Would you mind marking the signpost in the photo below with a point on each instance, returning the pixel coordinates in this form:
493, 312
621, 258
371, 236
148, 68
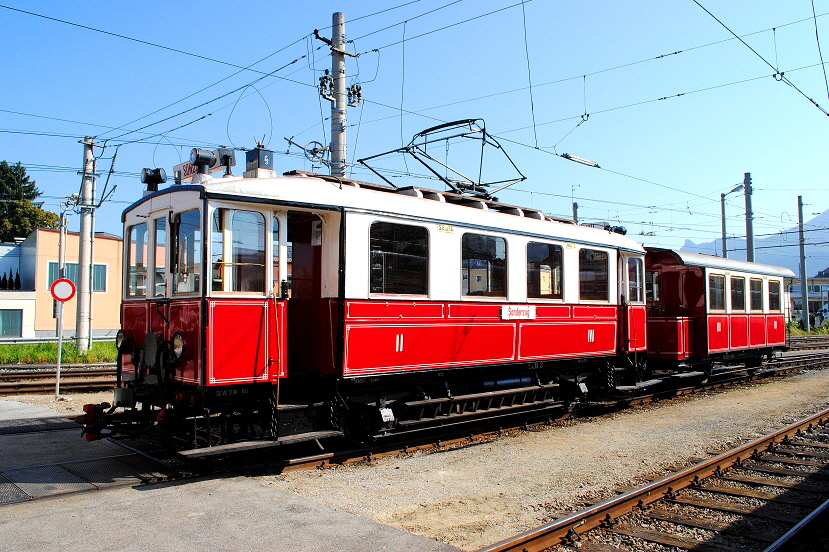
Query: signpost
62, 290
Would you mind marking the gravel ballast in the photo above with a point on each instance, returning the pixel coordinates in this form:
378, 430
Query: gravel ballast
478, 495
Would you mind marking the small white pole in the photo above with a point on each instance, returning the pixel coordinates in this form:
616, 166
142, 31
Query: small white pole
60, 348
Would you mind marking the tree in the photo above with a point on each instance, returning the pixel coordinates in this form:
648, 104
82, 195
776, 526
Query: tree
20, 215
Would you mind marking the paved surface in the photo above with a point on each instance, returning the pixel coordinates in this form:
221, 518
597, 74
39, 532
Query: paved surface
221, 514
227, 513
11, 410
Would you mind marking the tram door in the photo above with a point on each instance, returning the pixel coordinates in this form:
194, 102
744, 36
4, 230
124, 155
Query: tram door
309, 314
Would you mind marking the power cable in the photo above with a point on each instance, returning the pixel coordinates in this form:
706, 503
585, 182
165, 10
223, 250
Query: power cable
817, 39
597, 72
529, 72
448, 26
211, 85
153, 44
777, 74
407, 20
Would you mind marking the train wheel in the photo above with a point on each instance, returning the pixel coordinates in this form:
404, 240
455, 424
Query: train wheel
356, 424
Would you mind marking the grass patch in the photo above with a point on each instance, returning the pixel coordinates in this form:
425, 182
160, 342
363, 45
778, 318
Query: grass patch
793, 328
47, 353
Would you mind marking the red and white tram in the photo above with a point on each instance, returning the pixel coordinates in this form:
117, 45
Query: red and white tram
704, 309
274, 308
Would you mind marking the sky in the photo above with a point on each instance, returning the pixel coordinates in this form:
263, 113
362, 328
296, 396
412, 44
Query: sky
672, 107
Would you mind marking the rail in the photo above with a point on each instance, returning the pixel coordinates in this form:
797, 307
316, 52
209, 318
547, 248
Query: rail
605, 514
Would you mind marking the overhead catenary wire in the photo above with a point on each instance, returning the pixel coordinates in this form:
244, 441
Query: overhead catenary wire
529, 71
778, 75
817, 39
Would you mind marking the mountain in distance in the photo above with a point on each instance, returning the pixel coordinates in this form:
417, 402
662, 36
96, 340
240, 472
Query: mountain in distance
781, 249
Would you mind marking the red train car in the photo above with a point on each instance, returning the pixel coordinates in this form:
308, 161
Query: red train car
704, 309
276, 308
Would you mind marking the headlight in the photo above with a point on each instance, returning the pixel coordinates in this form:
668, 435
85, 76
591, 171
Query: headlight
178, 345
119, 339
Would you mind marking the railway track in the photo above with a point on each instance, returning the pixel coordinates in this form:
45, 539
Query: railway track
794, 343
772, 492
41, 379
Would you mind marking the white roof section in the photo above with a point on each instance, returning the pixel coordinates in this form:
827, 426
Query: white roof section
411, 203
712, 261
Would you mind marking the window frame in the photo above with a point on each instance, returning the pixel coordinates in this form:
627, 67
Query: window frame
175, 253
710, 293
640, 277
129, 272
606, 298
489, 295
229, 271
556, 297
425, 273
779, 298
165, 254
731, 293
759, 294
653, 289
53, 273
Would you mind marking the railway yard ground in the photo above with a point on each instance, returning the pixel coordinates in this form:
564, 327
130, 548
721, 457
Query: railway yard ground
465, 498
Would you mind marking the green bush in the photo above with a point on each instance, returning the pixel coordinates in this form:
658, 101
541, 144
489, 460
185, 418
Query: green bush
47, 353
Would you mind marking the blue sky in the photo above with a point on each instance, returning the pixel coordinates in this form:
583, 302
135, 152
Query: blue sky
663, 162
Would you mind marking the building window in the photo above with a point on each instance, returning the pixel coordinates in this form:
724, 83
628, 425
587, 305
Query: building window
635, 280
593, 275
137, 261
774, 296
716, 292
738, 294
399, 259
485, 257
99, 275
756, 292
160, 248
543, 271
11, 323
187, 252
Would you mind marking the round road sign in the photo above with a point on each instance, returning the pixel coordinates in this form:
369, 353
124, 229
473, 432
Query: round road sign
62, 289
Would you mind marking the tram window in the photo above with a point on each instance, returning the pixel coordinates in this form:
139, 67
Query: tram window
137, 261
187, 252
543, 270
593, 275
217, 240
716, 292
247, 230
484, 258
160, 248
635, 280
399, 259
652, 286
774, 296
738, 294
756, 291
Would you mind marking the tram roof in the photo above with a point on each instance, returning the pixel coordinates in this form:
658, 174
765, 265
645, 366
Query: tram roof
299, 187
711, 261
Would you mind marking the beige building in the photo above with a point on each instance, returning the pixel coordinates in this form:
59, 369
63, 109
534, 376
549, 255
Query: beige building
29, 311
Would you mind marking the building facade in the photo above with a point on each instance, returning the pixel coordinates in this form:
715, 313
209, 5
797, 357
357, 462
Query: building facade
29, 310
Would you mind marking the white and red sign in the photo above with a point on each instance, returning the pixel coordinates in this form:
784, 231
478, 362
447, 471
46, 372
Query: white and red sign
62, 290
517, 312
